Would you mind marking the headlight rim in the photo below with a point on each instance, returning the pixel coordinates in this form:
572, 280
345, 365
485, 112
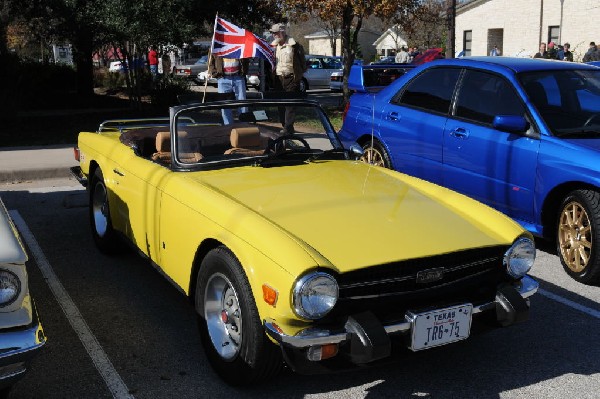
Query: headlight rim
296, 296
18, 287
507, 256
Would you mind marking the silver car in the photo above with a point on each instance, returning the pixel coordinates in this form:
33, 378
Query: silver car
21, 333
319, 70
191, 71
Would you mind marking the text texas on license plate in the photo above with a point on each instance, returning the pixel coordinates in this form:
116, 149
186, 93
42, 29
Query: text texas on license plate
440, 327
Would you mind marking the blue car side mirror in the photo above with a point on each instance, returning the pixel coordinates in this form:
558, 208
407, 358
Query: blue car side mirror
510, 123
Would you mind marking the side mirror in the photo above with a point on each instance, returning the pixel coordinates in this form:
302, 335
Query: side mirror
510, 123
356, 152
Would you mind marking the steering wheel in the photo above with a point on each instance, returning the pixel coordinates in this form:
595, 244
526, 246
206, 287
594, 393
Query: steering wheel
591, 118
285, 142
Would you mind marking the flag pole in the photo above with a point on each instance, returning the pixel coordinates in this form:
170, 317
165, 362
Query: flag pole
210, 55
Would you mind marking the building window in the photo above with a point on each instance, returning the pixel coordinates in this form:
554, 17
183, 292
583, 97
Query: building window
467, 39
553, 33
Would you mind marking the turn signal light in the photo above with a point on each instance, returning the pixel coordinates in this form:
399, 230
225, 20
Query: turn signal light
318, 353
269, 294
76, 153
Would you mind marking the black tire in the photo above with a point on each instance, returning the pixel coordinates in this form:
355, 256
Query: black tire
104, 234
375, 154
303, 85
578, 235
244, 355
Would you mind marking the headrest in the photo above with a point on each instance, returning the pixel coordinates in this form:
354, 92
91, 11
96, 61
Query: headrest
163, 142
245, 137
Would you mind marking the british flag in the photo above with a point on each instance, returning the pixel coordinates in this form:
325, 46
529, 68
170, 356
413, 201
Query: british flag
231, 41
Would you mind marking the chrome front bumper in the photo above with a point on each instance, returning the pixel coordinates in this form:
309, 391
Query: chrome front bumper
17, 347
305, 339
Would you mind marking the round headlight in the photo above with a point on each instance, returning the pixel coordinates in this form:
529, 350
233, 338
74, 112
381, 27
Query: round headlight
10, 287
315, 294
519, 258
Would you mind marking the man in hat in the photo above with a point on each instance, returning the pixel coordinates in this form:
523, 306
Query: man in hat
291, 65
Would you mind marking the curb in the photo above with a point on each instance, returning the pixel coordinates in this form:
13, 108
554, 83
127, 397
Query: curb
17, 176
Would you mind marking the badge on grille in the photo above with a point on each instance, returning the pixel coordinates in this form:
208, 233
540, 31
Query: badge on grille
430, 275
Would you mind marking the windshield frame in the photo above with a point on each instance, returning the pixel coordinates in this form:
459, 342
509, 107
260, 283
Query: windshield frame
176, 112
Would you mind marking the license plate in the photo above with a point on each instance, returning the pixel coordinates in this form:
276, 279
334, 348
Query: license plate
440, 327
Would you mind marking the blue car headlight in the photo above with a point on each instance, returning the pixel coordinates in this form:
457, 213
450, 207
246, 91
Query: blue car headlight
314, 295
10, 287
519, 258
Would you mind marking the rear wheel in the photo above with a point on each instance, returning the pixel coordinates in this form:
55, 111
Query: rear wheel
105, 236
375, 154
231, 330
578, 238
303, 85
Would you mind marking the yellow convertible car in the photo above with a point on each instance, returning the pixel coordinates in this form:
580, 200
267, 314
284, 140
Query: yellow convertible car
291, 249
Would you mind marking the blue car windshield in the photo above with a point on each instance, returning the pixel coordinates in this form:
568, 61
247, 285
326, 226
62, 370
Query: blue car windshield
567, 100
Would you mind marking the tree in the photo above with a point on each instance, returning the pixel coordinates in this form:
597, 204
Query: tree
350, 15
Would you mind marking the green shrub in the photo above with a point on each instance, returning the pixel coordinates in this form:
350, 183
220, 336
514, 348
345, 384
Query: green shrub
166, 89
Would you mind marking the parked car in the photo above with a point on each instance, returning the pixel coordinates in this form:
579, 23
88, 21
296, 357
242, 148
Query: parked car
115, 66
201, 79
375, 76
21, 333
191, 71
319, 70
291, 249
521, 135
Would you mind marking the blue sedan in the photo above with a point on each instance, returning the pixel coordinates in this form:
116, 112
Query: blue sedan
521, 135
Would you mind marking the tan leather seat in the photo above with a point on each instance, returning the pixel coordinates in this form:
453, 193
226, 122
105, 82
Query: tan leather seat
163, 150
246, 141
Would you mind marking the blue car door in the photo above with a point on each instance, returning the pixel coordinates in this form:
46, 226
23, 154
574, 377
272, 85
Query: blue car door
492, 166
412, 123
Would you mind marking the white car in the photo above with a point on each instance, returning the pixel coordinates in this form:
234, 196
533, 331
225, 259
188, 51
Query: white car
21, 333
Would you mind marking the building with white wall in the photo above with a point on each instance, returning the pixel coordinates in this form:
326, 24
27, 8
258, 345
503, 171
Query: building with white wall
319, 43
518, 26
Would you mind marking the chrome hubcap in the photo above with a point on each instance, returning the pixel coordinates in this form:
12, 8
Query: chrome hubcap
373, 157
575, 237
100, 209
223, 316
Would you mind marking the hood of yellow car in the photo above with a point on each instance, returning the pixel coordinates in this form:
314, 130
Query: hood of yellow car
357, 215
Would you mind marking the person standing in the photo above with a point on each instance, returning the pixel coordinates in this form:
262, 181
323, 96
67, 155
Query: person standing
495, 52
153, 62
542, 53
231, 78
402, 57
552, 51
567, 54
290, 67
591, 54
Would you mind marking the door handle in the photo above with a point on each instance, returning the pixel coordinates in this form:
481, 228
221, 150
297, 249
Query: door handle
460, 133
117, 171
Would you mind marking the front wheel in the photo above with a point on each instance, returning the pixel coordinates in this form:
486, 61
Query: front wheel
105, 236
375, 154
230, 327
578, 238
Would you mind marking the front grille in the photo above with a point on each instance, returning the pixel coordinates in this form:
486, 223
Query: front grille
469, 276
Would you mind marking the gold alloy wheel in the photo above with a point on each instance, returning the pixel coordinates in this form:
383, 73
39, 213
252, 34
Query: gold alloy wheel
575, 236
372, 156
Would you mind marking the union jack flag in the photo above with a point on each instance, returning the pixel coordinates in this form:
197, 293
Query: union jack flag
234, 42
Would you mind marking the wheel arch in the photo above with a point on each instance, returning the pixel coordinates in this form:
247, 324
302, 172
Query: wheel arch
553, 201
203, 249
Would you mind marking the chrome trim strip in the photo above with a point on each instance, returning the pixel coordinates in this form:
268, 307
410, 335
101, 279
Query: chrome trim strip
527, 286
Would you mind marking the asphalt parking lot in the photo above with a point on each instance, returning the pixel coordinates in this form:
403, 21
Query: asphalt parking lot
117, 328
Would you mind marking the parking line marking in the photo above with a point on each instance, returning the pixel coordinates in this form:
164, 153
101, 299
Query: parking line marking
568, 302
113, 380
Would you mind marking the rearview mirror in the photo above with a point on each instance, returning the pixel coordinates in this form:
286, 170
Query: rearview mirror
356, 152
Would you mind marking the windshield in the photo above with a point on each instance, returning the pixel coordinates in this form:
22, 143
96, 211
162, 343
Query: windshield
567, 100
233, 132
